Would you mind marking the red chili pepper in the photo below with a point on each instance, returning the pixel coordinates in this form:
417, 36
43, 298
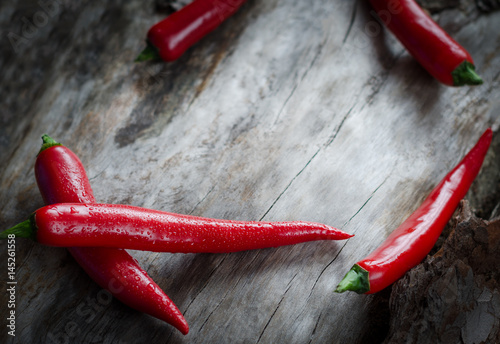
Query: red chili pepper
429, 44
171, 37
111, 225
414, 238
61, 178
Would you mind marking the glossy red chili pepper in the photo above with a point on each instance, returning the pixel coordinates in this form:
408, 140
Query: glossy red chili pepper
61, 178
111, 225
429, 44
171, 37
414, 238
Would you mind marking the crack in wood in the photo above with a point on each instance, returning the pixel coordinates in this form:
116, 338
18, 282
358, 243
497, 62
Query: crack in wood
299, 315
276, 309
210, 314
289, 184
315, 327
156, 255
319, 49
206, 284
286, 102
100, 173
227, 292
308, 162
201, 201
337, 130
351, 23
384, 77
368, 200
328, 265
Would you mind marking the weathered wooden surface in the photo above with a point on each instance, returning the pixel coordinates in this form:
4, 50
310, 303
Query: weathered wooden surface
291, 110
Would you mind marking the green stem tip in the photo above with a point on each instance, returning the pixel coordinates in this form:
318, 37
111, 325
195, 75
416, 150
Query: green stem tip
25, 229
355, 280
149, 53
465, 74
47, 143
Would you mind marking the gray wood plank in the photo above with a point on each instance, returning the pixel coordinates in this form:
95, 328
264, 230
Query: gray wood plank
286, 112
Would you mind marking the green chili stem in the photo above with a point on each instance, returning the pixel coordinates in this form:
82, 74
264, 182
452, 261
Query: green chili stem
149, 53
47, 143
355, 280
25, 229
465, 74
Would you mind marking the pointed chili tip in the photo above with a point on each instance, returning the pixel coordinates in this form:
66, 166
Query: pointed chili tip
355, 280
149, 53
177, 320
333, 233
184, 328
341, 235
465, 74
483, 144
488, 134
47, 143
347, 235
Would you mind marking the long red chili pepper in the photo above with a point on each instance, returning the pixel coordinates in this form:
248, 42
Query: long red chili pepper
111, 225
414, 238
61, 177
429, 44
171, 37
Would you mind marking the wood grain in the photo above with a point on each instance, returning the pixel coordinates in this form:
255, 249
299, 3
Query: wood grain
290, 110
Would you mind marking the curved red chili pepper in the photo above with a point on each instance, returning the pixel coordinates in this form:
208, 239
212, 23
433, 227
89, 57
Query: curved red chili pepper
429, 44
61, 177
171, 37
414, 238
112, 225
